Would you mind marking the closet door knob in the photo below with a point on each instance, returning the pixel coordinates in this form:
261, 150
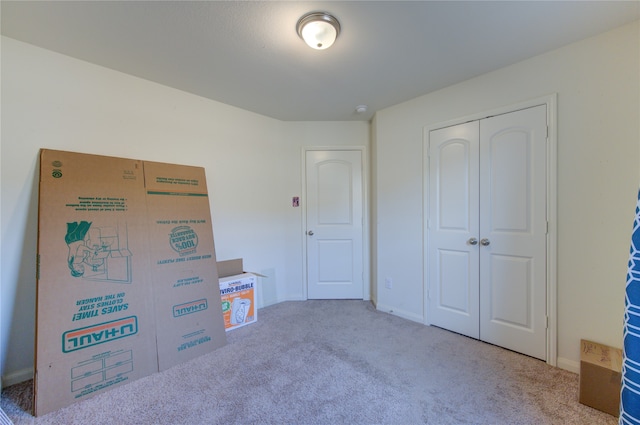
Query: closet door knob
473, 241
485, 242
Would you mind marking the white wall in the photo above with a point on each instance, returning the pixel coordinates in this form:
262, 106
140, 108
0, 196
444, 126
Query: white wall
253, 166
597, 81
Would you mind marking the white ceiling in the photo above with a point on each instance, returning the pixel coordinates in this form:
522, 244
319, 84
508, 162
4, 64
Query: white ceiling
248, 54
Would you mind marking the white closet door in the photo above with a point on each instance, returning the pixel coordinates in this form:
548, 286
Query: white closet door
454, 228
514, 224
487, 230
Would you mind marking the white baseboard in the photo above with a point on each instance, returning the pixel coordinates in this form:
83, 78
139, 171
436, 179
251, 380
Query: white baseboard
296, 298
400, 313
17, 377
570, 365
274, 302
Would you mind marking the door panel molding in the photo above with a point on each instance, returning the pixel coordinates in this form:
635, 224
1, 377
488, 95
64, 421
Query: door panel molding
551, 208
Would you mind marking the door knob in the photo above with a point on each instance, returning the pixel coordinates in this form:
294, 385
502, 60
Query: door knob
485, 242
310, 233
473, 241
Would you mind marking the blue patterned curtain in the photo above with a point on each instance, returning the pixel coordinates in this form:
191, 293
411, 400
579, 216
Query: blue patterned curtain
630, 395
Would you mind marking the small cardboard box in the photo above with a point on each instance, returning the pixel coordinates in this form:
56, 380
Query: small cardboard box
237, 294
600, 376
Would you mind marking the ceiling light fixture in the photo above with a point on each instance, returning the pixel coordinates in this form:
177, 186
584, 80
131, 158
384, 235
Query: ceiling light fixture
318, 29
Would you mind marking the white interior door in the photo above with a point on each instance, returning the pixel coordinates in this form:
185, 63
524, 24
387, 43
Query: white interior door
513, 222
334, 208
487, 230
453, 250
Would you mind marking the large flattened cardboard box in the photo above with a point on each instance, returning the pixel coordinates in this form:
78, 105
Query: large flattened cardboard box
237, 294
600, 376
127, 282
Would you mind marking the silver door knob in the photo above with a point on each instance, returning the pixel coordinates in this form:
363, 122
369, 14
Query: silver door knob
473, 241
310, 233
485, 242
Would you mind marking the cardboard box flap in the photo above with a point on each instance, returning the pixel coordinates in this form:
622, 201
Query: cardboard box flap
59, 167
601, 355
229, 267
233, 267
161, 178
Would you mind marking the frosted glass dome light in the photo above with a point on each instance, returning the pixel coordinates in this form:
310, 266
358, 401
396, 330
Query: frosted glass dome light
318, 29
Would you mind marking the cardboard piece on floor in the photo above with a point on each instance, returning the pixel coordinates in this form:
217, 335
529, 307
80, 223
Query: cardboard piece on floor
96, 282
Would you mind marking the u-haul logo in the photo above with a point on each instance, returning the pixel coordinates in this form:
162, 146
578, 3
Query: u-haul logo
184, 240
78, 339
190, 307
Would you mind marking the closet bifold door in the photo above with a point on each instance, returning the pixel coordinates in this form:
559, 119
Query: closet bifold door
513, 223
453, 248
487, 229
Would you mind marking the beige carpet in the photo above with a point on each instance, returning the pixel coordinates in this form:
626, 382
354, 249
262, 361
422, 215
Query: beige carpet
336, 362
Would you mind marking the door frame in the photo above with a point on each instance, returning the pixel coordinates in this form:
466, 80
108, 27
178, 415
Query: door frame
366, 249
552, 221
